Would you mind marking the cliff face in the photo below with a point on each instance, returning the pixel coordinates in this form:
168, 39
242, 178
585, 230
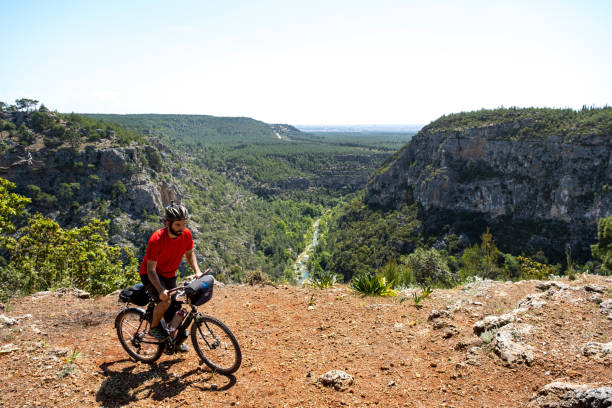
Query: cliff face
117, 183
534, 193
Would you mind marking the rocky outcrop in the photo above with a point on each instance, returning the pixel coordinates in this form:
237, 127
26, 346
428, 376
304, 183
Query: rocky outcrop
567, 395
534, 193
71, 186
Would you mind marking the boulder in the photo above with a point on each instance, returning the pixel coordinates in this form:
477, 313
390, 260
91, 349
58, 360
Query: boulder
508, 344
337, 379
568, 395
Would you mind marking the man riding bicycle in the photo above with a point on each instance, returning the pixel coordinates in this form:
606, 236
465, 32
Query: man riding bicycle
164, 253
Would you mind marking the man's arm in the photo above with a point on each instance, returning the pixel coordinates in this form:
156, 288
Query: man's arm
154, 278
191, 260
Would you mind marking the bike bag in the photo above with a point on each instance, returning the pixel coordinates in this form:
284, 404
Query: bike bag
136, 294
200, 290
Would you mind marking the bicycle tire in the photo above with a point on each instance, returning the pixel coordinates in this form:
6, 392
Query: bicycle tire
132, 328
216, 344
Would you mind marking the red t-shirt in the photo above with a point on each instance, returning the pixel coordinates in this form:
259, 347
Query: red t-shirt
167, 251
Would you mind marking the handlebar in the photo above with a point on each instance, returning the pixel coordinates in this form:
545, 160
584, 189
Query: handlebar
189, 279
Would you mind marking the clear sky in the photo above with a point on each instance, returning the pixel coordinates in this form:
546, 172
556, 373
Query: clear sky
306, 62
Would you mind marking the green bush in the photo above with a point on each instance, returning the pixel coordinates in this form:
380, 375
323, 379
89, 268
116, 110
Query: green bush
47, 256
531, 269
41, 121
118, 189
11, 206
372, 285
482, 260
602, 251
429, 268
6, 125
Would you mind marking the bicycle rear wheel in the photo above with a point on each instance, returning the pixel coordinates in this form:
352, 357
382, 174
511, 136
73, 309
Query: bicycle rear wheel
132, 330
216, 344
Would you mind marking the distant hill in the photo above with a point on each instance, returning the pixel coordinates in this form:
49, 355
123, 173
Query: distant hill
197, 129
360, 128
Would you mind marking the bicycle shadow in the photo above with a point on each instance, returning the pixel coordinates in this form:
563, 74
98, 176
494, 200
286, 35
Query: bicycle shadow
126, 384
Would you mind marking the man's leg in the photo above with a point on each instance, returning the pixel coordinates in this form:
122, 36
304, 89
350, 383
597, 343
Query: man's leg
162, 306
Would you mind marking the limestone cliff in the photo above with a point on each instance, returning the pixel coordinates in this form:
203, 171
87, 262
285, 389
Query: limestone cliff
534, 192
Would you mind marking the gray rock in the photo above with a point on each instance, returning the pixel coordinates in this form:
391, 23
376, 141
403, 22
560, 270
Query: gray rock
493, 322
337, 379
597, 349
435, 314
606, 306
567, 395
450, 332
533, 301
81, 294
507, 344
594, 288
473, 356
546, 285
8, 321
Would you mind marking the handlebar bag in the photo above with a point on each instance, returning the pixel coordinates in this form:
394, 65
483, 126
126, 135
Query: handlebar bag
136, 294
200, 290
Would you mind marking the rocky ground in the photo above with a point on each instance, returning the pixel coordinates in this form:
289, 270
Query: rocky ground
487, 344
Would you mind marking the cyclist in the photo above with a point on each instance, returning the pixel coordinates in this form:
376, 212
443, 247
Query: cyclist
164, 253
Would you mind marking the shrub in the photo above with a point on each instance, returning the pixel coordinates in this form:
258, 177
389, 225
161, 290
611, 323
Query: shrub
429, 268
41, 121
118, 189
602, 251
531, 269
372, 285
11, 206
482, 260
257, 277
48, 256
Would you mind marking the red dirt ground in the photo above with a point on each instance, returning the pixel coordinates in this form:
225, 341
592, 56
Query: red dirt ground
397, 356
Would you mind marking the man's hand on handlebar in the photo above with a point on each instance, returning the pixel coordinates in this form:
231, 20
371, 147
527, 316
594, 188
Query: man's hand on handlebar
163, 296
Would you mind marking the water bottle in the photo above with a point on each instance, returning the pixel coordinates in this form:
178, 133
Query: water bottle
176, 320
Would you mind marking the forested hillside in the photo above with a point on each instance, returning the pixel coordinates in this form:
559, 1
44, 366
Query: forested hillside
506, 193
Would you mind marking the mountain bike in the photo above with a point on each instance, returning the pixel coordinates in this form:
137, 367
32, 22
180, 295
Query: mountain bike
212, 340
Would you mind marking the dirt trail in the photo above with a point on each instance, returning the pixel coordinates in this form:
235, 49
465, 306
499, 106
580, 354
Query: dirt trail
397, 354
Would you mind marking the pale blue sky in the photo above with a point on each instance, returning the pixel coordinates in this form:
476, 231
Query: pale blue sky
306, 62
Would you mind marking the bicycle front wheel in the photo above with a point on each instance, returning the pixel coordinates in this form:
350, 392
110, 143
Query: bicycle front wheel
216, 344
132, 330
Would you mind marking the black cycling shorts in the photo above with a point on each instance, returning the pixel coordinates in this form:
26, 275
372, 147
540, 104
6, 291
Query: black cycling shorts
167, 283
